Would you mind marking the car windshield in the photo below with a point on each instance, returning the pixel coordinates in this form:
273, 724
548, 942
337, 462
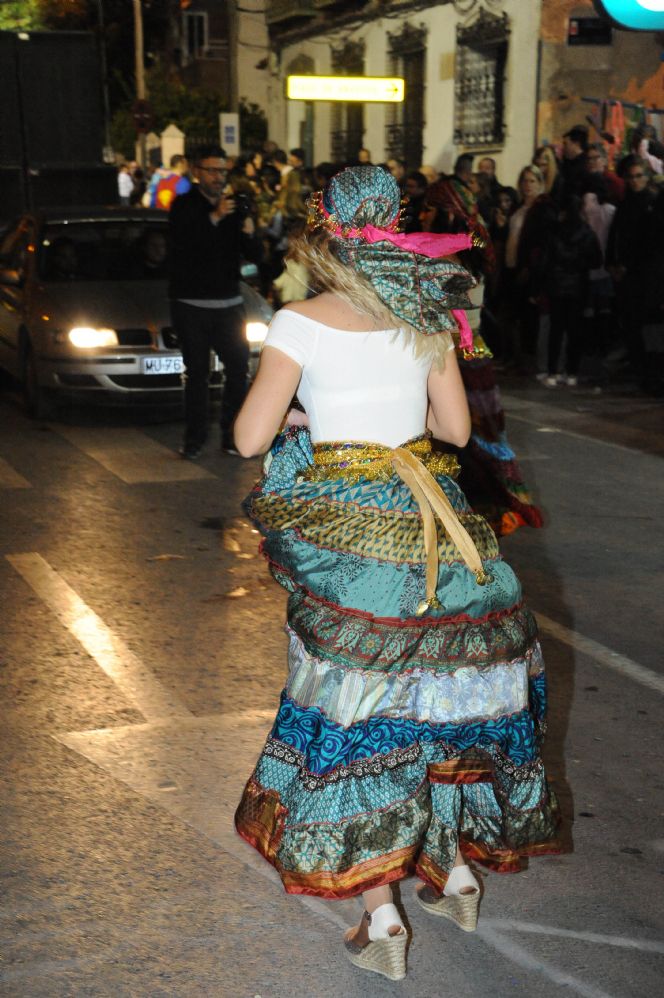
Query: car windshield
104, 250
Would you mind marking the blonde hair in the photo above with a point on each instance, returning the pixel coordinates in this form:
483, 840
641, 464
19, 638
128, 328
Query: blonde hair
317, 250
549, 155
534, 171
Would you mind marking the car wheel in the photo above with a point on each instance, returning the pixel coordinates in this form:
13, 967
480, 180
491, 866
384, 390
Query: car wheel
38, 401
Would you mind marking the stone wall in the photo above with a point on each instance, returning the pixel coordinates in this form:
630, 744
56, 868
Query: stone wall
631, 69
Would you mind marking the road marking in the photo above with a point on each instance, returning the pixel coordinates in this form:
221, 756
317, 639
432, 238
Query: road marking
571, 433
622, 942
133, 456
524, 959
543, 425
605, 656
10, 479
137, 682
205, 763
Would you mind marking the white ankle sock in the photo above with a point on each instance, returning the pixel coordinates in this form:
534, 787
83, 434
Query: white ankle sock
460, 878
382, 919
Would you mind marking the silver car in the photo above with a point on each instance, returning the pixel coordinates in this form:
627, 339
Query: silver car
84, 311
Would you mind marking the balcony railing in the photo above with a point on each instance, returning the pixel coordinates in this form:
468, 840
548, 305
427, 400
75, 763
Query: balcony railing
289, 11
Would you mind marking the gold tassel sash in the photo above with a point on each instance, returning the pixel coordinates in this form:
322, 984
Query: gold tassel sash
416, 465
433, 502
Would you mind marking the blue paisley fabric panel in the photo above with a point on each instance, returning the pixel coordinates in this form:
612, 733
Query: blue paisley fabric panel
344, 799
538, 697
357, 794
387, 590
326, 744
350, 695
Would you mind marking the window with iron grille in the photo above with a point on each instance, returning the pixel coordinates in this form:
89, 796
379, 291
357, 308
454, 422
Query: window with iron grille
479, 89
347, 116
195, 33
405, 124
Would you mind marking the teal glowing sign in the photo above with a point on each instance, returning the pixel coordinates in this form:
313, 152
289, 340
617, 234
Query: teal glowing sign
640, 15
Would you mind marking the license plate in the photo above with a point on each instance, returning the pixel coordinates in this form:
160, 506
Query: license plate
162, 365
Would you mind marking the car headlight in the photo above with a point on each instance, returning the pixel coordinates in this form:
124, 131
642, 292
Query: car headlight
87, 338
256, 332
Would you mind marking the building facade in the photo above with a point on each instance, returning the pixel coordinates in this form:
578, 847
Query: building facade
586, 68
223, 45
470, 70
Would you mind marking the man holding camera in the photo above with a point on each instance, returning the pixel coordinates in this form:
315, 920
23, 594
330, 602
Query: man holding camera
209, 236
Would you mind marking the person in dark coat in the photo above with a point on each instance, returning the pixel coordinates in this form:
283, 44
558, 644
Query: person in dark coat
208, 238
573, 166
628, 256
572, 251
415, 190
597, 165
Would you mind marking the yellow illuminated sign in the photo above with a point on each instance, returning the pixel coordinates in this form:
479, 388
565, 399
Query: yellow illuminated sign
387, 89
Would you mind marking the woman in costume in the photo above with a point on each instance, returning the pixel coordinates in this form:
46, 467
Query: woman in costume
490, 476
408, 736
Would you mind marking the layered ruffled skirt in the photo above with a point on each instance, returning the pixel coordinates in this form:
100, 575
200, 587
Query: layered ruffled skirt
491, 476
399, 737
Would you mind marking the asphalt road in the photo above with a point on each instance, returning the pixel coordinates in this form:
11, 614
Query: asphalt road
142, 658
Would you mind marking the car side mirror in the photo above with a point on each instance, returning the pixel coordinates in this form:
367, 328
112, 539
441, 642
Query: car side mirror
11, 278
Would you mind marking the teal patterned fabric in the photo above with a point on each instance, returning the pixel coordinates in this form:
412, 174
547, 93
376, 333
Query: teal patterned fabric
363, 195
418, 289
398, 738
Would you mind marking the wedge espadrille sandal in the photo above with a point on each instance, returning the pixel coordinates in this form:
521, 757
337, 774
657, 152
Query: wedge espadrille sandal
461, 908
383, 954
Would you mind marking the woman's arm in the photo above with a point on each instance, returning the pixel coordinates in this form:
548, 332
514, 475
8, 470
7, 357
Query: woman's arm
449, 416
265, 406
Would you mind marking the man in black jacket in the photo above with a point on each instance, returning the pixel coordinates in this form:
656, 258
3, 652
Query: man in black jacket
628, 256
208, 238
573, 166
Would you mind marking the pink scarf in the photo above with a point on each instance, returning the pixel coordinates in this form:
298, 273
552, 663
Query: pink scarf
432, 244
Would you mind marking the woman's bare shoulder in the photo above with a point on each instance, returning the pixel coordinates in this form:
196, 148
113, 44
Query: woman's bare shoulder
313, 308
330, 310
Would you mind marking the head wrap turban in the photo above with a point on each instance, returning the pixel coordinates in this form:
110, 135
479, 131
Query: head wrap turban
361, 206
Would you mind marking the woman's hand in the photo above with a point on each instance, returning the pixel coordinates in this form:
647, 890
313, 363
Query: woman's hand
296, 417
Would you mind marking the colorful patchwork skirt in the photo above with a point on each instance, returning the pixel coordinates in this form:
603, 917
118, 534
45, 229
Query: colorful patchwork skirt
490, 475
399, 736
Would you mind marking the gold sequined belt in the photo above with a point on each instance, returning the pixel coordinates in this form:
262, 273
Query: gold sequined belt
415, 464
353, 460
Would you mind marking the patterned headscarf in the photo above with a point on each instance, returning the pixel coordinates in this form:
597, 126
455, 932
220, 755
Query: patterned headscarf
453, 198
361, 206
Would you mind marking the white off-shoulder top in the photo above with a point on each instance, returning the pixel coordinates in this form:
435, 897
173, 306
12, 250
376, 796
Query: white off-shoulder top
355, 385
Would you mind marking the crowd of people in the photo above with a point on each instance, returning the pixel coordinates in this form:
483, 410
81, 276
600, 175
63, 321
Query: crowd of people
571, 259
